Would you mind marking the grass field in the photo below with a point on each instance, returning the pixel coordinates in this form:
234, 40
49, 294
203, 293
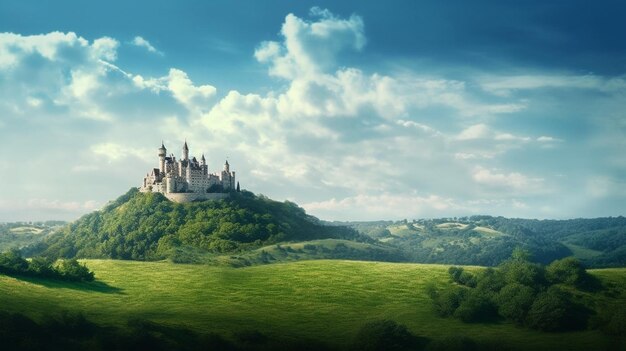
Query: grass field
327, 300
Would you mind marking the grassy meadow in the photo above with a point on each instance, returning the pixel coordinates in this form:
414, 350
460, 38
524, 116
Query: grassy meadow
327, 300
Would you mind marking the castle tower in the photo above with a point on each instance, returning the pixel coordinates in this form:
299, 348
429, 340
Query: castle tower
185, 152
226, 167
162, 153
203, 161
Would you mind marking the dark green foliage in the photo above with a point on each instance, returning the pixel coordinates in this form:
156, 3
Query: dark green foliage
386, 335
453, 343
12, 263
514, 301
448, 300
553, 310
72, 270
75, 332
476, 307
612, 320
568, 271
459, 275
147, 226
521, 271
517, 291
490, 281
545, 240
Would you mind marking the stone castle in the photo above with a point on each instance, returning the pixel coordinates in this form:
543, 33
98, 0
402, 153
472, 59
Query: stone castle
187, 179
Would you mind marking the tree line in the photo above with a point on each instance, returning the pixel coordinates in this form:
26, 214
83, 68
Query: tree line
12, 263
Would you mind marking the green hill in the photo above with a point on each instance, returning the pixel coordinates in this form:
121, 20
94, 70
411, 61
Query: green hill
20, 234
313, 305
147, 226
487, 240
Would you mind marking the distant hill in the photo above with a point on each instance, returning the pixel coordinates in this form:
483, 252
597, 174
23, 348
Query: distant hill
487, 240
147, 226
21, 234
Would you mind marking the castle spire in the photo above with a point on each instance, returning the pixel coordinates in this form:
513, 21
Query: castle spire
185, 151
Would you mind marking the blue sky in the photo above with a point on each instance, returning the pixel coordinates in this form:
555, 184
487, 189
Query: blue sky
355, 110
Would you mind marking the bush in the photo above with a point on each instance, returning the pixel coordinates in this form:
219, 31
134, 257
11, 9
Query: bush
12, 262
72, 270
448, 300
459, 275
476, 308
514, 301
385, 335
567, 271
553, 310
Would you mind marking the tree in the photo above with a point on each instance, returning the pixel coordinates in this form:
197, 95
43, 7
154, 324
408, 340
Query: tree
12, 262
567, 271
74, 271
476, 307
514, 301
238, 189
549, 311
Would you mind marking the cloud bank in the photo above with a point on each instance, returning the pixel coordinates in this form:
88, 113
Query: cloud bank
346, 142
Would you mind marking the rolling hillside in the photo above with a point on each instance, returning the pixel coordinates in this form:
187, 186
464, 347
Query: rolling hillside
486, 240
321, 303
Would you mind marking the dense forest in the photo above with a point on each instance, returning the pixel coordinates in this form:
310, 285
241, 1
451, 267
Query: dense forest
147, 226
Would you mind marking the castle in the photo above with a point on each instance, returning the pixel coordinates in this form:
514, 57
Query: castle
187, 179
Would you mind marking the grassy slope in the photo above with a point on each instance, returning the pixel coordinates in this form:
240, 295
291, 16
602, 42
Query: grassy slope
324, 299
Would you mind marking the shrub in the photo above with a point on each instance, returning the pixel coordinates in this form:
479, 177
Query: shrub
384, 335
459, 275
74, 271
476, 307
567, 271
12, 262
514, 301
553, 310
448, 300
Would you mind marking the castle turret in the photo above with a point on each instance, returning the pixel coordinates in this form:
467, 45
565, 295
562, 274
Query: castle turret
162, 153
227, 167
185, 152
202, 161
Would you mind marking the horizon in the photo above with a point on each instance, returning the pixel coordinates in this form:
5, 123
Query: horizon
355, 111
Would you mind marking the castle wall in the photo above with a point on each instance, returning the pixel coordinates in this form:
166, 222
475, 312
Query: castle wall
189, 197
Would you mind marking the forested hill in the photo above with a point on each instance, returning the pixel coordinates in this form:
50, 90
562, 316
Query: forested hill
487, 240
147, 226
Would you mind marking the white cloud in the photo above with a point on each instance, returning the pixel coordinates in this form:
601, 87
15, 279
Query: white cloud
504, 86
114, 152
514, 181
36, 204
143, 43
384, 206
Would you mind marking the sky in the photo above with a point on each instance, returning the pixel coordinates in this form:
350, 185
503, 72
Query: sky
355, 110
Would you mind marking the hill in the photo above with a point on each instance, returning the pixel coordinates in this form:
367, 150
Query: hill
20, 234
147, 226
314, 305
486, 240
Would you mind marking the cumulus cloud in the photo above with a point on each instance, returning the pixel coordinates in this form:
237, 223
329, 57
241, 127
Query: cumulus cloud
143, 43
345, 140
115, 152
510, 181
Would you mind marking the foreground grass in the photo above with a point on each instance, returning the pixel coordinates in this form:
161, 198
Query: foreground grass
325, 300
